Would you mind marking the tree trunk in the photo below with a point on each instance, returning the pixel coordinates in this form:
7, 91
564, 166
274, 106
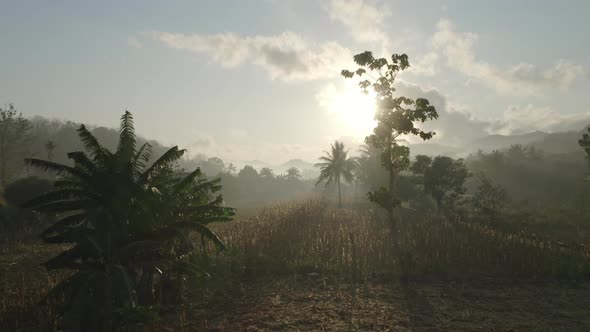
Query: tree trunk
3, 161
339, 194
391, 186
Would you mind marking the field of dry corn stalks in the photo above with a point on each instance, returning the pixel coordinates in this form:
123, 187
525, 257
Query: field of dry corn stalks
310, 238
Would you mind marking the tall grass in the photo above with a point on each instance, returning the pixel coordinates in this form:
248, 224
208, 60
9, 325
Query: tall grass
310, 236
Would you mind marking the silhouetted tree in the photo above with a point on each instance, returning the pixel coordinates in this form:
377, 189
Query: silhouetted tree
267, 173
14, 142
585, 143
421, 164
248, 172
336, 165
489, 198
445, 176
369, 170
396, 116
293, 174
50, 147
231, 168
125, 220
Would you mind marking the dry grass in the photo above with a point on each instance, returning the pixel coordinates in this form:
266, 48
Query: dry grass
309, 236
314, 241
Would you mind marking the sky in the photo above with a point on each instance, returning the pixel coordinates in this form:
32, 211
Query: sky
260, 79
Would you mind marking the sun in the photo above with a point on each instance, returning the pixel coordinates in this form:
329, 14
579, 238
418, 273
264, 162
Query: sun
355, 110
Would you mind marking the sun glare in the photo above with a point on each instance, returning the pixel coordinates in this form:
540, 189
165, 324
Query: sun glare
355, 109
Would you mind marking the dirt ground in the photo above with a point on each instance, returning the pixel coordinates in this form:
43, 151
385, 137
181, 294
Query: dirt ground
316, 304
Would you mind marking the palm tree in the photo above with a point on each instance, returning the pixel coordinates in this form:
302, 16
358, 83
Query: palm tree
336, 165
125, 219
50, 147
293, 174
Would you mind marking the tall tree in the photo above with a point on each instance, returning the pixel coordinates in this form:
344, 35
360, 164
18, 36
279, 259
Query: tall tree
293, 174
396, 117
248, 172
489, 198
14, 142
421, 164
267, 173
445, 177
336, 165
50, 147
585, 143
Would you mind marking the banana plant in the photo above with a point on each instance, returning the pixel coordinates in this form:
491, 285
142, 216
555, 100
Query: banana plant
125, 217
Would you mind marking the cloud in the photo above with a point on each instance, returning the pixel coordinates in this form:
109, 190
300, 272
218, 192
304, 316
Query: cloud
286, 56
523, 119
456, 126
453, 127
242, 148
426, 65
132, 41
200, 143
523, 78
363, 20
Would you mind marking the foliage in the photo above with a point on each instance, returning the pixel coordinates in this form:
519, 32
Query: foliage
533, 177
489, 198
14, 142
293, 174
421, 164
445, 177
248, 172
584, 142
369, 170
336, 165
25, 189
126, 220
267, 173
50, 147
396, 116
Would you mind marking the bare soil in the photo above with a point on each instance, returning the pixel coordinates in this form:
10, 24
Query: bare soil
317, 304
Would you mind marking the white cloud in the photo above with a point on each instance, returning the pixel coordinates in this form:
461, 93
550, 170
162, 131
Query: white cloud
286, 56
426, 65
363, 20
522, 119
524, 78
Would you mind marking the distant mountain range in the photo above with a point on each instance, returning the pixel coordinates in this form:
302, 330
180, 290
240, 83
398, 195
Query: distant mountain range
551, 143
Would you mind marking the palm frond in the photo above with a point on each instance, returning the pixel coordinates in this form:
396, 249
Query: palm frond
203, 230
64, 223
91, 144
166, 159
81, 159
57, 195
188, 180
142, 156
62, 206
56, 168
127, 139
71, 258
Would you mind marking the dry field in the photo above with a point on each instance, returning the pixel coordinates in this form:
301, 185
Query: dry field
307, 267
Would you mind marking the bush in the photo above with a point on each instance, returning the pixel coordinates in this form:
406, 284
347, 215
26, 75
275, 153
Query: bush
25, 189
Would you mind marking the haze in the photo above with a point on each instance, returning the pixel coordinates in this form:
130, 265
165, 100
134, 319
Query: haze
260, 81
